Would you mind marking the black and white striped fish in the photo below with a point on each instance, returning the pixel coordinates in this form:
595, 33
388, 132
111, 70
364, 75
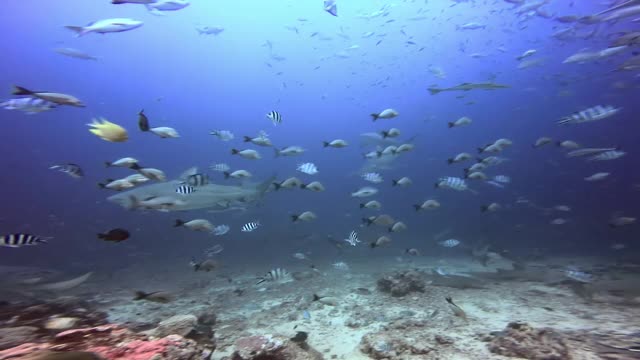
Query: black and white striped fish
18, 240
451, 182
197, 179
185, 189
277, 274
249, 227
275, 117
73, 170
595, 113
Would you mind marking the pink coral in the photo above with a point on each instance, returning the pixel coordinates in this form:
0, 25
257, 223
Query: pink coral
112, 342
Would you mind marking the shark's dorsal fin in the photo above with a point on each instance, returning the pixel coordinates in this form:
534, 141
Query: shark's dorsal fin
188, 172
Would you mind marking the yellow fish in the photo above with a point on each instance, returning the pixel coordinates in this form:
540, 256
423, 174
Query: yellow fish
108, 131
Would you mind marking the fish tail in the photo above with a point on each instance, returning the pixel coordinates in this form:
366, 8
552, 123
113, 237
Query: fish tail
451, 125
294, 218
394, 182
226, 174
417, 207
484, 208
178, 223
361, 205
325, 144
277, 186
102, 236
107, 164
139, 295
316, 297
303, 186
436, 185
433, 91
480, 150
234, 151
101, 185
247, 138
79, 30
19, 90
135, 166
276, 152
374, 116
450, 161
372, 245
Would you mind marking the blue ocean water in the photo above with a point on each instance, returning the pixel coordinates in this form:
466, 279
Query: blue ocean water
325, 76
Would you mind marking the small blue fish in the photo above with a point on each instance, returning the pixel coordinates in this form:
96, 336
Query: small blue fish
577, 275
221, 230
450, 243
502, 179
306, 315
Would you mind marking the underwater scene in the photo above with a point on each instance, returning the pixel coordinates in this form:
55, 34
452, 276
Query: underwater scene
320, 179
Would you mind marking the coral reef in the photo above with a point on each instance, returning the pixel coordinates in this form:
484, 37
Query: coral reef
402, 283
273, 347
111, 342
25, 322
523, 341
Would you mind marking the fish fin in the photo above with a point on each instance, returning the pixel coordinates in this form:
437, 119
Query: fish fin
133, 202
374, 116
247, 138
190, 171
316, 297
155, 12
226, 174
79, 30
294, 218
107, 164
433, 91
234, 151
139, 295
325, 144
417, 207
19, 90
178, 223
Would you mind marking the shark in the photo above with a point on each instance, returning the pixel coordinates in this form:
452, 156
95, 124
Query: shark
218, 198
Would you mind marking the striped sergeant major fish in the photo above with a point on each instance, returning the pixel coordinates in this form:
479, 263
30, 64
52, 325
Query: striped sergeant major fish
591, 114
249, 227
197, 180
450, 182
19, 240
275, 117
185, 189
275, 275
